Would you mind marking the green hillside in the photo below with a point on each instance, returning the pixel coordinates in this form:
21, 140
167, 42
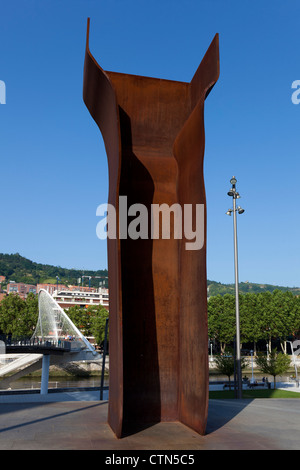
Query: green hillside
215, 288
19, 269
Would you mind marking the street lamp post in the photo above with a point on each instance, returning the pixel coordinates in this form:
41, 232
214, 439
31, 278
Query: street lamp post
251, 352
235, 195
295, 365
57, 279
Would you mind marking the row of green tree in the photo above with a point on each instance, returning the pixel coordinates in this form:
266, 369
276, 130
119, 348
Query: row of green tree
265, 316
18, 317
273, 364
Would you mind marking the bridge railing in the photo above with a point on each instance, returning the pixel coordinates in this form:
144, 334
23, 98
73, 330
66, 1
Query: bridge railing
37, 342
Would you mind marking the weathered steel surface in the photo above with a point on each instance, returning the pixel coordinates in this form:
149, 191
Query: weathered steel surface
153, 132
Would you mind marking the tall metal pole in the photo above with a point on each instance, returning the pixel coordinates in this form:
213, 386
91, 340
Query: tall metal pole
234, 194
295, 365
103, 359
237, 307
45, 374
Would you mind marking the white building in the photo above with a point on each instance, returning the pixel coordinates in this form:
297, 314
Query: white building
68, 298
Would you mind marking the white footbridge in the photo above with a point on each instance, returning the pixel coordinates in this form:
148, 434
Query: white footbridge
56, 341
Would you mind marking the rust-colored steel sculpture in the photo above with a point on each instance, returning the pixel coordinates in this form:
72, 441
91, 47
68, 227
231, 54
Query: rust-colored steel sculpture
153, 132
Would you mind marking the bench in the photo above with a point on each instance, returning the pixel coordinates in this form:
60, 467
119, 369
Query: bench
228, 385
257, 384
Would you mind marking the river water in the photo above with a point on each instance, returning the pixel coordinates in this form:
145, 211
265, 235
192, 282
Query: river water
256, 376
26, 383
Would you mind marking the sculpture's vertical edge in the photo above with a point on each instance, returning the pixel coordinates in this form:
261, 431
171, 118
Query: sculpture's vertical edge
99, 97
193, 336
207, 73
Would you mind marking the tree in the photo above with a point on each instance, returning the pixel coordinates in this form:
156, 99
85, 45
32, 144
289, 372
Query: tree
17, 316
263, 316
221, 319
98, 324
75, 314
274, 364
214, 312
226, 364
284, 310
249, 319
31, 313
267, 325
90, 321
228, 321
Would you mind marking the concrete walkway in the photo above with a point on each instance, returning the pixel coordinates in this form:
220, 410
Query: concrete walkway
260, 424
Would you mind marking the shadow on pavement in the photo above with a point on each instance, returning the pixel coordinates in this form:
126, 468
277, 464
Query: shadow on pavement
220, 412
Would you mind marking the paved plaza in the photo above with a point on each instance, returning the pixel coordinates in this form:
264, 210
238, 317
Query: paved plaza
79, 422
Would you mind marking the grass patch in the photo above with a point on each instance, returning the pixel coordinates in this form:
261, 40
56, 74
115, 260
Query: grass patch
263, 393
49, 280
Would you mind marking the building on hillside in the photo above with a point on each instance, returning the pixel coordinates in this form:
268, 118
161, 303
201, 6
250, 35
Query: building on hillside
50, 288
67, 298
83, 288
2, 278
20, 289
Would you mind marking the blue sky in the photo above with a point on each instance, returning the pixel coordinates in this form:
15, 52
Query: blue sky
53, 162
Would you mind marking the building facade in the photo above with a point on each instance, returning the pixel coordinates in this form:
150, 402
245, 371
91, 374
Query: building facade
50, 288
21, 289
84, 298
65, 296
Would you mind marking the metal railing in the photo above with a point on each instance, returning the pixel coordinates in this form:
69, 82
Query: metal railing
36, 342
